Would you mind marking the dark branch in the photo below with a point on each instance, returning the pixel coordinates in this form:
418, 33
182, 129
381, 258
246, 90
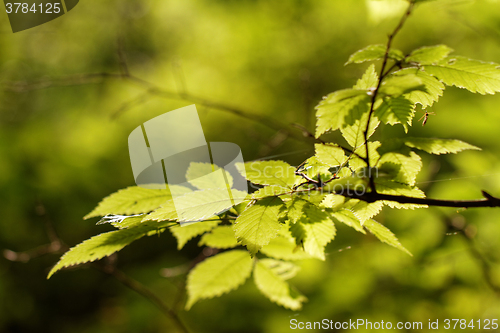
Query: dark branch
488, 201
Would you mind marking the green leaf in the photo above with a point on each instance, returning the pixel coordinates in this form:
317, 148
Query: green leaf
221, 237
384, 235
258, 224
439, 146
314, 231
433, 87
133, 200
333, 201
218, 275
473, 75
330, 154
104, 245
353, 131
429, 54
184, 233
284, 248
268, 191
332, 115
372, 53
369, 80
296, 208
208, 176
395, 188
396, 110
202, 204
166, 212
407, 167
269, 173
364, 210
397, 85
273, 285
348, 218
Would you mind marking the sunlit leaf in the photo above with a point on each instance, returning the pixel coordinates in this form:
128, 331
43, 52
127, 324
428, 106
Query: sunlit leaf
373, 52
369, 80
433, 87
273, 285
473, 75
133, 200
429, 54
103, 245
269, 173
313, 231
384, 234
208, 176
258, 224
439, 146
218, 275
396, 110
221, 237
332, 115
184, 233
408, 166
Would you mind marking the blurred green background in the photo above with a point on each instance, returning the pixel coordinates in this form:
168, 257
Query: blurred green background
63, 147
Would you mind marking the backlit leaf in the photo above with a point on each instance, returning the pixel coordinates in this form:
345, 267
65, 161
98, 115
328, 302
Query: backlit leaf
218, 275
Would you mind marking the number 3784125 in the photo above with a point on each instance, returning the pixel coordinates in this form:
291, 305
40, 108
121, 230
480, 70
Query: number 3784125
25, 8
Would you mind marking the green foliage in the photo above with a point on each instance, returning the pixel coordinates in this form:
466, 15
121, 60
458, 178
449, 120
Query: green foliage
270, 275
258, 224
292, 214
218, 275
105, 244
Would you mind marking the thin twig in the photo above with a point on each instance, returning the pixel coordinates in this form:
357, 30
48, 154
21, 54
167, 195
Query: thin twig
148, 294
379, 83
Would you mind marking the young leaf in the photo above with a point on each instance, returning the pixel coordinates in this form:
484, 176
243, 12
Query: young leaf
166, 212
473, 75
208, 176
132, 200
330, 154
274, 286
353, 131
373, 52
218, 275
296, 208
429, 54
384, 235
258, 224
103, 245
396, 110
184, 233
397, 85
408, 166
348, 218
202, 204
268, 191
333, 201
364, 210
269, 173
369, 80
221, 237
314, 231
284, 248
439, 146
433, 87
332, 115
